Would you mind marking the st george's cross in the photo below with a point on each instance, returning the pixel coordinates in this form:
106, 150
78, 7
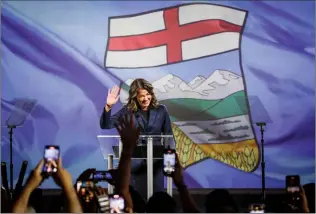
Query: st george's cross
172, 35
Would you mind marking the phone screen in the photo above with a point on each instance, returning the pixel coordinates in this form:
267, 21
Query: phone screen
117, 203
102, 176
256, 208
293, 189
169, 162
104, 204
293, 184
85, 190
51, 156
84, 184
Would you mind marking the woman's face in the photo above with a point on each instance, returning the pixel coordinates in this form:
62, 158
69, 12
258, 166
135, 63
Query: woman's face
143, 98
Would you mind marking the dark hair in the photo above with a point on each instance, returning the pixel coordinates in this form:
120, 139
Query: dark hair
132, 103
310, 195
219, 201
161, 202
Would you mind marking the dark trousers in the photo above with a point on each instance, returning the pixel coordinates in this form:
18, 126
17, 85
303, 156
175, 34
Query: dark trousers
139, 176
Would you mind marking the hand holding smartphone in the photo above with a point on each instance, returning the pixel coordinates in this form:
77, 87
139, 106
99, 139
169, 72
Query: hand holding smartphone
117, 203
51, 156
169, 162
293, 189
103, 203
88, 192
85, 190
293, 184
256, 208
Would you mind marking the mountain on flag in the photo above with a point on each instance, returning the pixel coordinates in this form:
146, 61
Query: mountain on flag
207, 120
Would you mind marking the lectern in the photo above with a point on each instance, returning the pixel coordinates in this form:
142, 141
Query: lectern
150, 147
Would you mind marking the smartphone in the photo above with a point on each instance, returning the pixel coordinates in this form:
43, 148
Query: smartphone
293, 184
51, 156
103, 203
256, 208
169, 162
101, 176
84, 184
85, 190
117, 203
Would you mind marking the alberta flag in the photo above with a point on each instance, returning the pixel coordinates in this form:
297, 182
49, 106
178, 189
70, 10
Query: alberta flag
203, 60
192, 55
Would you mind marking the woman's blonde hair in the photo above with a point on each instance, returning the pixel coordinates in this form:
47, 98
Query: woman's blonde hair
132, 103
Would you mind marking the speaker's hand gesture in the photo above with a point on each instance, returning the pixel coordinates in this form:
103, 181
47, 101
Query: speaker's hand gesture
113, 96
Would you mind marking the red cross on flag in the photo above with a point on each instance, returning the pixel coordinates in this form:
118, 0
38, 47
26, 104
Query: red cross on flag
173, 35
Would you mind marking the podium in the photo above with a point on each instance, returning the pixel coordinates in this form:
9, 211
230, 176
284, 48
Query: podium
150, 147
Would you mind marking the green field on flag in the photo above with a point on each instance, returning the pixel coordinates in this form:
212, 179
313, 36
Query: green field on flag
188, 109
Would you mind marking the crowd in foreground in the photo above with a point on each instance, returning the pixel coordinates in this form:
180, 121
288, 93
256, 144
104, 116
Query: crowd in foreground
93, 198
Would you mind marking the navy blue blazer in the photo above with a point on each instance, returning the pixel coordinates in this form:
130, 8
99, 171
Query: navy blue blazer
158, 123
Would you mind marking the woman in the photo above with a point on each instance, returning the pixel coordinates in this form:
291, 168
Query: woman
152, 119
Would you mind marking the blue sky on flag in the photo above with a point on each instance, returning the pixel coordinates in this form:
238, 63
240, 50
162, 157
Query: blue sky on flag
277, 57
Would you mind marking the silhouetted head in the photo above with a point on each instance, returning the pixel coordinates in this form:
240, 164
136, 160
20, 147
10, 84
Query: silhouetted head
220, 201
141, 95
310, 195
161, 202
139, 204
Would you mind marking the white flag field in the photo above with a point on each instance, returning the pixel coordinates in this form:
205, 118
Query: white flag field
172, 35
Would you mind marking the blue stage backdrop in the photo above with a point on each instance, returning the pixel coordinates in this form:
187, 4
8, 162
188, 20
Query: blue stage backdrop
219, 67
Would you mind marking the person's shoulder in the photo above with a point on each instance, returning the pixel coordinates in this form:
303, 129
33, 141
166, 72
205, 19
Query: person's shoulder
126, 110
123, 110
162, 107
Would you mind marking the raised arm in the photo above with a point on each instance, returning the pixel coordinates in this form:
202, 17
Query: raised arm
34, 180
63, 179
107, 121
188, 204
129, 136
